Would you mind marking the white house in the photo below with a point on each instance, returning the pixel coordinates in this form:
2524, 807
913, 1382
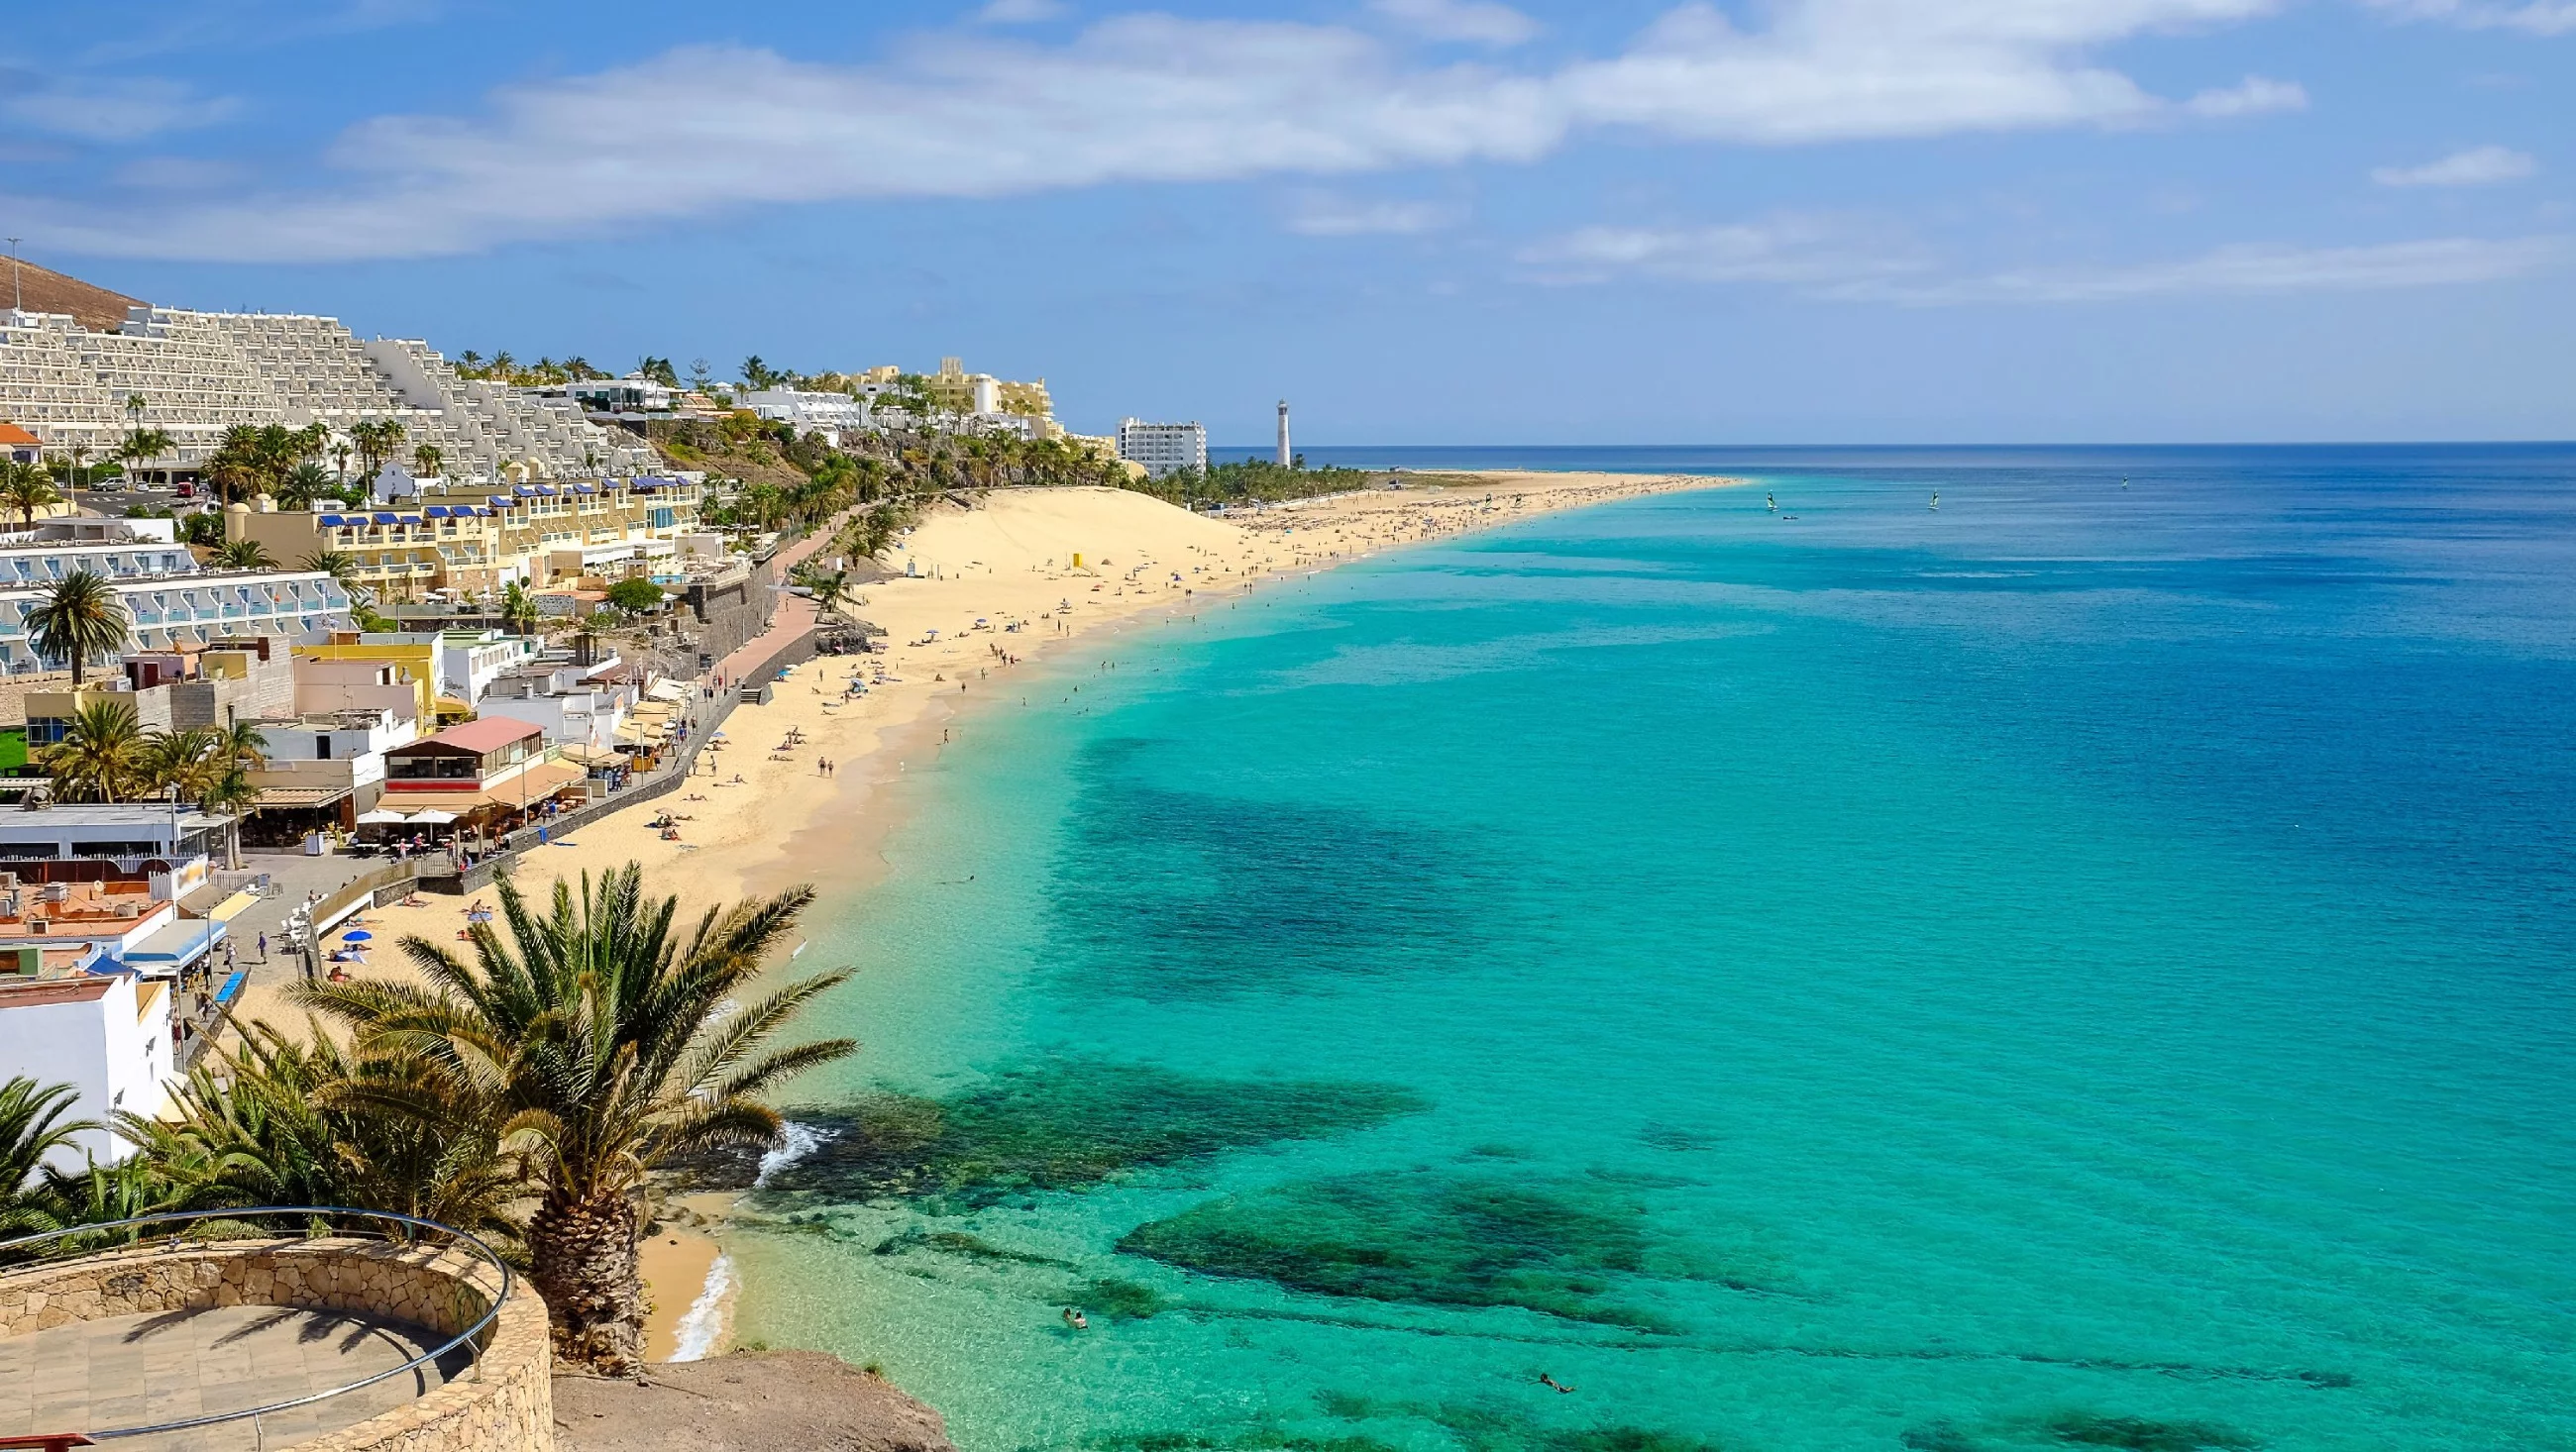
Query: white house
66, 1017
563, 702
333, 760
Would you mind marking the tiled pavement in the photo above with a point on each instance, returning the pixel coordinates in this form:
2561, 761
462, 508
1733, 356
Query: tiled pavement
126, 1371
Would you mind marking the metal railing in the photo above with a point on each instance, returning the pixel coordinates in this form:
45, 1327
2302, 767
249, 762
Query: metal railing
468, 1339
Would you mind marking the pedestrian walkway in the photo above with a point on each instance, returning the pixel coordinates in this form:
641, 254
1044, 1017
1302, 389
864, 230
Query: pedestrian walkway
130, 1371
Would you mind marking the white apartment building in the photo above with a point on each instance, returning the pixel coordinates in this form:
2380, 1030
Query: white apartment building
632, 394
808, 409
169, 601
1162, 447
201, 373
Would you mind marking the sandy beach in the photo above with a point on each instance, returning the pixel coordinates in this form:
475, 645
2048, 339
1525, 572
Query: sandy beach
984, 591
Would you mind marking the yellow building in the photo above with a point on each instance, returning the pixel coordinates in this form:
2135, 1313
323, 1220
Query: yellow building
471, 540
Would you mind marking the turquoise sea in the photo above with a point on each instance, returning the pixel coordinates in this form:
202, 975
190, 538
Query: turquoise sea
2085, 966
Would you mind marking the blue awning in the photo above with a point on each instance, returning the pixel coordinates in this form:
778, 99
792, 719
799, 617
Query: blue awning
388, 519
178, 945
441, 511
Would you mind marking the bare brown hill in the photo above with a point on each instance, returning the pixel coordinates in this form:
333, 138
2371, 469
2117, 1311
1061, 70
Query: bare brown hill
48, 291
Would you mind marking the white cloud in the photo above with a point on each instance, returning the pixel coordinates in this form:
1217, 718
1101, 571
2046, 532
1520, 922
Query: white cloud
2479, 166
1806, 251
1479, 21
1838, 261
2539, 17
1020, 12
2253, 96
1144, 98
106, 110
1323, 214
2251, 269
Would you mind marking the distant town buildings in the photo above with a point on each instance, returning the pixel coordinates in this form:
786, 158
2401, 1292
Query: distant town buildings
199, 374
1162, 448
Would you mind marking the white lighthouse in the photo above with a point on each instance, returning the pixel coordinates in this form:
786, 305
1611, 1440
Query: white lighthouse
1285, 458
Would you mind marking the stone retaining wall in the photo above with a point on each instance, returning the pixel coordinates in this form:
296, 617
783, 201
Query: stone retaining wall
505, 1404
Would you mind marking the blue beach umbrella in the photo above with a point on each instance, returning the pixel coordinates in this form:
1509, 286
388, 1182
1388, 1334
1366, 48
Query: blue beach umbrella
359, 935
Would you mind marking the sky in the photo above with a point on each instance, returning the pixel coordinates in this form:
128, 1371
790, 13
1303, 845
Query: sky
1420, 221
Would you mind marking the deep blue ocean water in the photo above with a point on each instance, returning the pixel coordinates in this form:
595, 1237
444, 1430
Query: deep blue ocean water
2082, 966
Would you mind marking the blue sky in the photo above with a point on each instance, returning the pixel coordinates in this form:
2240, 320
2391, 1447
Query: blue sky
1423, 221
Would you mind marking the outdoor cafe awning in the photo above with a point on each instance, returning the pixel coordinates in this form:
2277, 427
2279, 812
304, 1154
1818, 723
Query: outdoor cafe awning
298, 797
589, 755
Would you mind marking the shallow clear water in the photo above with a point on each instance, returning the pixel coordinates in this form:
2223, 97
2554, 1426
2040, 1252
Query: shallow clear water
2078, 967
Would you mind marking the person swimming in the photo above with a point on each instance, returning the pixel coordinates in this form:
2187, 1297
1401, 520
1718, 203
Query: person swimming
1076, 1320
1771, 502
1561, 1388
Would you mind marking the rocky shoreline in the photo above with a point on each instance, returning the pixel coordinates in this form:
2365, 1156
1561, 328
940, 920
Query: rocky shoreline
750, 1401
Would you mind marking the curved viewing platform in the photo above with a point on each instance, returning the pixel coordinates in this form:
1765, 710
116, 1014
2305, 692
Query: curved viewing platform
272, 1328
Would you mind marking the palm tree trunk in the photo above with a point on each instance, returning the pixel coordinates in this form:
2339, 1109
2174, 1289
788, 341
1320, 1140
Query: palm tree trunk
583, 1261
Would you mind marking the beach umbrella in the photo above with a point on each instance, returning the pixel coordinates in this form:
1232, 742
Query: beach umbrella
357, 935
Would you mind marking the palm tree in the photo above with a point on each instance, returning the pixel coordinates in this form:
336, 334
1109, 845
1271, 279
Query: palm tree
232, 792
31, 1127
376, 440
429, 458
602, 1044
79, 617
241, 747
243, 554
518, 607
303, 484
182, 759
142, 444
340, 565
281, 1121
103, 753
27, 488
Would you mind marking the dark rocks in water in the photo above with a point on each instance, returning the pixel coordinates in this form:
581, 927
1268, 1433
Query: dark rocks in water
1424, 1237
2082, 1429
1123, 1300
1218, 894
959, 1243
2140, 1434
747, 1402
1060, 1125
1675, 1138
1480, 1429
